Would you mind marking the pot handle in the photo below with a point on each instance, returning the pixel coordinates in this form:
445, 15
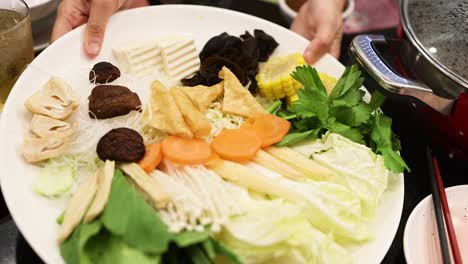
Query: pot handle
362, 49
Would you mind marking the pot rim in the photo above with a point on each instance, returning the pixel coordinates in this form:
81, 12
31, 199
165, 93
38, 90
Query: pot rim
423, 51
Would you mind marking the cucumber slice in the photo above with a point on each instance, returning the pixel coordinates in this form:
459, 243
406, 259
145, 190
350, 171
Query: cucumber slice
54, 181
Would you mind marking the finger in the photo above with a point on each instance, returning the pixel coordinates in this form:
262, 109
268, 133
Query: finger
336, 47
100, 12
134, 4
67, 19
299, 22
315, 50
323, 40
61, 27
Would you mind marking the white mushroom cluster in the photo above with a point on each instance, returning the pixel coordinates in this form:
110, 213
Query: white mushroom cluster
50, 134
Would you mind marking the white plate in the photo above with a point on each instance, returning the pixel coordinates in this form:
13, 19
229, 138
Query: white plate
421, 240
35, 216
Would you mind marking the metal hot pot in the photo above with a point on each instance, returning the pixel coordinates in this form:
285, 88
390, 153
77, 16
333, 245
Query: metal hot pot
434, 50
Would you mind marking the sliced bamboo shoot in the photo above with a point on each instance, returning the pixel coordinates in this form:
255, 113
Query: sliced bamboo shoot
77, 206
301, 163
104, 183
148, 184
268, 161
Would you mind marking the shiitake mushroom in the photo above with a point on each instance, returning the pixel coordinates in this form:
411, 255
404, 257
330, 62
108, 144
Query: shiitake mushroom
104, 72
107, 101
121, 144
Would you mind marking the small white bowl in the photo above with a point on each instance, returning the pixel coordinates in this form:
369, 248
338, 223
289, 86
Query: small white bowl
421, 241
39, 9
289, 14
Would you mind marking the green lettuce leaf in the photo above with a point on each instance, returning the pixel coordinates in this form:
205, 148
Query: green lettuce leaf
188, 238
91, 243
130, 231
127, 214
209, 251
72, 249
106, 248
224, 253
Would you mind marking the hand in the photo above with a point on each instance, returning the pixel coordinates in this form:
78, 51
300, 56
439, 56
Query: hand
320, 21
74, 13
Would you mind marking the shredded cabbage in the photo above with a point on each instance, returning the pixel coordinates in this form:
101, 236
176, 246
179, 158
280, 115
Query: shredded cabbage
279, 232
219, 120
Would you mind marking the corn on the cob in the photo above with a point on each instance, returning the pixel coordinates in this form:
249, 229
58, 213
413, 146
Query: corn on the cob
292, 98
274, 78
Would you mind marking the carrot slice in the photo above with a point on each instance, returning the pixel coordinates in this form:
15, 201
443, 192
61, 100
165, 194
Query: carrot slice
152, 158
270, 128
214, 159
248, 124
237, 144
186, 151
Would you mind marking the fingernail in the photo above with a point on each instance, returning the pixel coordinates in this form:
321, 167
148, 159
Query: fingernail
93, 47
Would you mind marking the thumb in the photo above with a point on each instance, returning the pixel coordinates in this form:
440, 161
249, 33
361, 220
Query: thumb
315, 50
67, 19
100, 12
328, 31
320, 44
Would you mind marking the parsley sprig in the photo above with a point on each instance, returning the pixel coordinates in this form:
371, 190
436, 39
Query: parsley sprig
344, 112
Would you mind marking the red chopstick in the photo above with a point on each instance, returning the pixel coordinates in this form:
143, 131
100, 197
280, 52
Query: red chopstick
447, 216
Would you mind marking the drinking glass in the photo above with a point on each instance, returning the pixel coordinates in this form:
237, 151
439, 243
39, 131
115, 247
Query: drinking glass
16, 44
